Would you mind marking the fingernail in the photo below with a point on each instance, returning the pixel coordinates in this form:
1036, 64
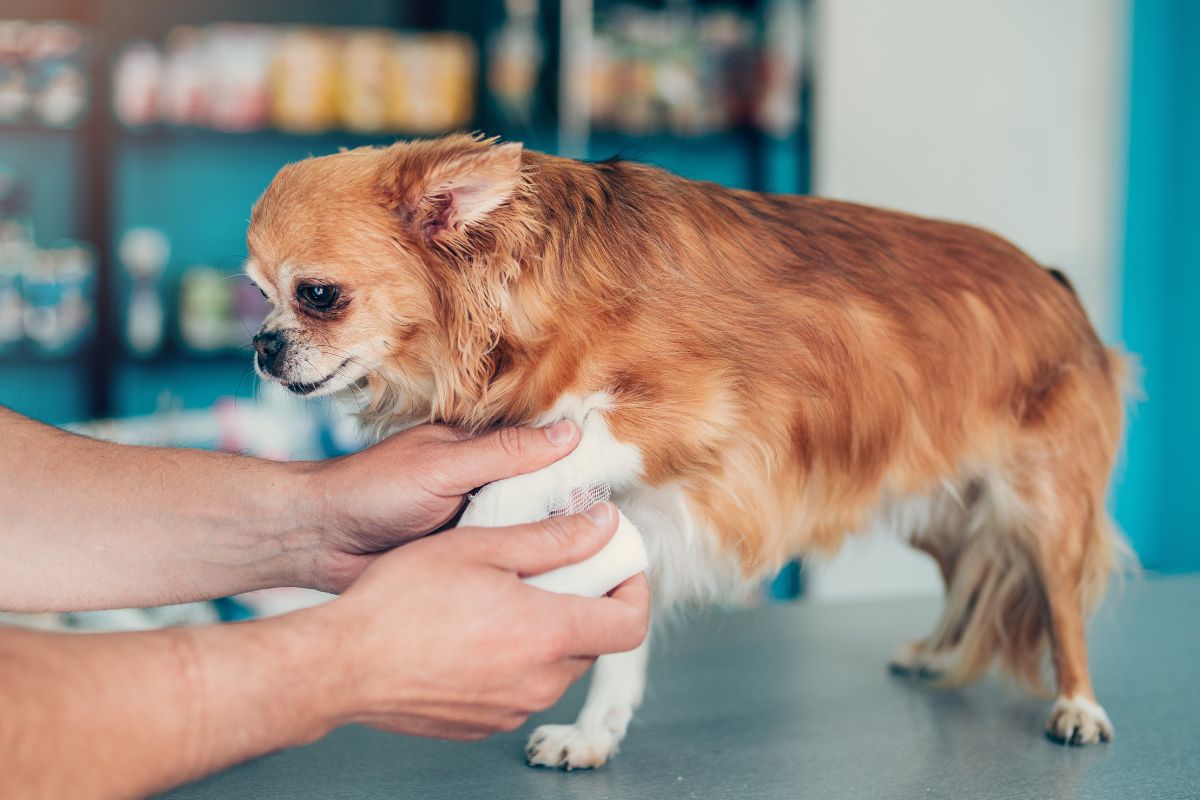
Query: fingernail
600, 514
560, 432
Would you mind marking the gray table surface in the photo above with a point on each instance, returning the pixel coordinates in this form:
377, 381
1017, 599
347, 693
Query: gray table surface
794, 701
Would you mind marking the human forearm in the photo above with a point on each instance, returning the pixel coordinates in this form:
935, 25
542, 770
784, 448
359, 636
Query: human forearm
90, 524
117, 715
120, 715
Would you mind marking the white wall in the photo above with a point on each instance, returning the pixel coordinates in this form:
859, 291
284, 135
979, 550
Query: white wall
1007, 114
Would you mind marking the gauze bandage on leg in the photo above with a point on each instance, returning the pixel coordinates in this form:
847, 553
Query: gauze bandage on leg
623, 557
561, 489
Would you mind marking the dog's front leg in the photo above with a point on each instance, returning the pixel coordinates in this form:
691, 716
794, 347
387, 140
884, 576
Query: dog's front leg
618, 683
598, 467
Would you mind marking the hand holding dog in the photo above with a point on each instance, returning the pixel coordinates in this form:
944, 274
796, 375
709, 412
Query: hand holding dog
182, 525
438, 638
442, 638
411, 484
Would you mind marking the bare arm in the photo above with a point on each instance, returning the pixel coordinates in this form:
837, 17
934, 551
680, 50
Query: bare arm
118, 715
89, 524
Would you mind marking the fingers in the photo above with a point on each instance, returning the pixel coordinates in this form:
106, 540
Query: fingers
504, 453
576, 667
542, 546
634, 590
613, 624
456, 724
546, 687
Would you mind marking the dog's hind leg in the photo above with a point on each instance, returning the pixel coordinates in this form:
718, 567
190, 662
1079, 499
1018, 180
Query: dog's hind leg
1035, 556
1070, 574
1076, 718
931, 657
1040, 551
942, 539
1068, 444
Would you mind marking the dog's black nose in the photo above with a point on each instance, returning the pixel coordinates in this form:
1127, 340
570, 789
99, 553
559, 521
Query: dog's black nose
268, 344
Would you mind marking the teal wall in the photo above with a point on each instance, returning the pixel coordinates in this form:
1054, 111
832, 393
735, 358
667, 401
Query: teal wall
1158, 496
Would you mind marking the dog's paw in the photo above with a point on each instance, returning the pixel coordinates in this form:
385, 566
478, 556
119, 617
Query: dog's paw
914, 660
1077, 721
570, 747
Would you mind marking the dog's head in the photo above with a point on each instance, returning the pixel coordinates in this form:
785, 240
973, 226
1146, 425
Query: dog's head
380, 265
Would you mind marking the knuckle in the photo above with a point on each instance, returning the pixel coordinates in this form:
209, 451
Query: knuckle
513, 441
547, 694
432, 458
438, 481
555, 643
538, 701
638, 632
562, 532
511, 722
641, 627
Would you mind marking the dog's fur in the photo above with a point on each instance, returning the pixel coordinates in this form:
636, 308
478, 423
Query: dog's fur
779, 372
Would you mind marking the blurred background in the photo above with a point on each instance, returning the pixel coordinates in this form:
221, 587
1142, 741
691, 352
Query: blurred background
136, 134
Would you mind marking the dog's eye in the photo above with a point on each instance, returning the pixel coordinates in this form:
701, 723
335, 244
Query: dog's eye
317, 295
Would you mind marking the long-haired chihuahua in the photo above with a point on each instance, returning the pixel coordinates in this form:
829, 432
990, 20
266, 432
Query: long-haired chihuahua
756, 376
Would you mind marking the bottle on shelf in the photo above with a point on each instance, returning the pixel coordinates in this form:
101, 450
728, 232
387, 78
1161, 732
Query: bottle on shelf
42, 76
144, 253
58, 288
514, 59
12, 304
219, 312
297, 79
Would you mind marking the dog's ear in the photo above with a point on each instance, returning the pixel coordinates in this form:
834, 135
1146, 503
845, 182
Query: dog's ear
443, 187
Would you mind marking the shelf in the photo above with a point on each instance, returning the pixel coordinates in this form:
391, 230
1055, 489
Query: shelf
170, 355
166, 134
170, 132
27, 359
177, 355
34, 129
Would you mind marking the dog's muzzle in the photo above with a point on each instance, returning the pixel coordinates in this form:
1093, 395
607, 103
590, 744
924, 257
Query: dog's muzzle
269, 346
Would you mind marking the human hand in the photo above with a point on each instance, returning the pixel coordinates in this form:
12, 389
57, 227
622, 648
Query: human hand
442, 638
409, 485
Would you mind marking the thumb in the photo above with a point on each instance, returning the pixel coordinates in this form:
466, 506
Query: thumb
506, 452
552, 543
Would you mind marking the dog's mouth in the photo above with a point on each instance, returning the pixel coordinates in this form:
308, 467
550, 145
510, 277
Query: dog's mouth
303, 389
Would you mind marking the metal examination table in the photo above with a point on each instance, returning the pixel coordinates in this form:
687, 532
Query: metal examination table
795, 702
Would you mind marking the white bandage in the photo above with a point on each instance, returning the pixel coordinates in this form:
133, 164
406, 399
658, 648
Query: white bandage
623, 557
515, 501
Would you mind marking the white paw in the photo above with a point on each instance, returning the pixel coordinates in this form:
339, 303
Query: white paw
570, 747
1077, 720
914, 660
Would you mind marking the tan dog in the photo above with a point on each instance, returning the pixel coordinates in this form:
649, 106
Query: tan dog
757, 376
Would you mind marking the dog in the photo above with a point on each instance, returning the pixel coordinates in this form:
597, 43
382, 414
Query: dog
756, 377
